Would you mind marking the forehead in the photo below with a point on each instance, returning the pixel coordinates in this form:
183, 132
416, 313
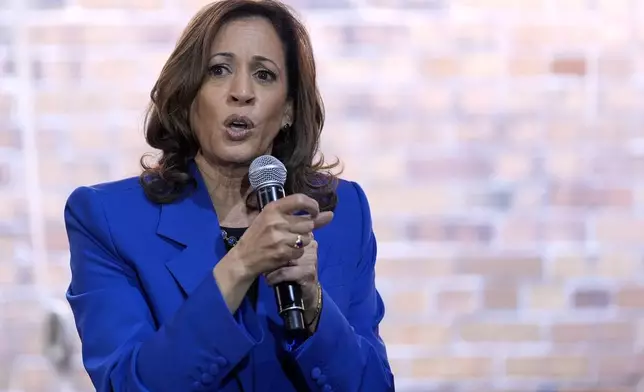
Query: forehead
249, 36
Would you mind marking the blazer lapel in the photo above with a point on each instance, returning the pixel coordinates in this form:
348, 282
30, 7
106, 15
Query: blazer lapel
193, 223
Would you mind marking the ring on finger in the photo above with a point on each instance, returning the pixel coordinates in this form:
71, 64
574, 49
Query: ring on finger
298, 243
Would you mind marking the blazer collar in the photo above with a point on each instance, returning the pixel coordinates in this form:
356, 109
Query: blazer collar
192, 222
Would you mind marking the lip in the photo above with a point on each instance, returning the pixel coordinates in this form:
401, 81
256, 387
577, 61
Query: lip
238, 135
228, 123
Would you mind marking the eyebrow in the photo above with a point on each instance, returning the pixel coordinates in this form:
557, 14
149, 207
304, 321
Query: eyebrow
257, 58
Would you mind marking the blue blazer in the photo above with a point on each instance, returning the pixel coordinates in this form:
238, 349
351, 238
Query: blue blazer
151, 317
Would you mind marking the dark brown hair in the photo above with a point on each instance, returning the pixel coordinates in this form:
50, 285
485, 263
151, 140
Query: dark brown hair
168, 125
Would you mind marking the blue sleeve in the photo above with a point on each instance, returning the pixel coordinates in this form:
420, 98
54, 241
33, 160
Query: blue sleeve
122, 348
347, 353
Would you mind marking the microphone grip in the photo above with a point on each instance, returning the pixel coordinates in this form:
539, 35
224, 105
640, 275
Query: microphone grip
288, 295
290, 306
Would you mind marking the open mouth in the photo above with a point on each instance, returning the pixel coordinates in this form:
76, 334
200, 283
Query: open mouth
239, 123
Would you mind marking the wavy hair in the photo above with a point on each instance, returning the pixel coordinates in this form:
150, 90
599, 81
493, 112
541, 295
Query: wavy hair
167, 124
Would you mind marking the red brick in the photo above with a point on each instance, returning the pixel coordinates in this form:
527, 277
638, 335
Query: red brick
451, 231
56, 237
569, 266
442, 168
574, 66
619, 229
619, 368
527, 64
103, 68
456, 302
618, 265
546, 297
7, 270
441, 67
78, 102
424, 335
55, 35
502, 267
518, 230
10, 138
619, 97
610, 131
385, 231
429, 198
452, 368
564, 132
591, 298
541, 36
630, 297
414, 268
500, 297
554, 367
562, 229
5, 174
582, 195
478, 101
566, 164
482, 66
475, 132
497, 332
600, 333
7, 103
513, 166
436, 100
409, 303
615, 66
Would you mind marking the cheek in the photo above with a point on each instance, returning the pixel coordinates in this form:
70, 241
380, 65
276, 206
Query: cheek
204, 114
206, 103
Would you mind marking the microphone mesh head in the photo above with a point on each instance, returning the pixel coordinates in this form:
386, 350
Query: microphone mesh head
266, 169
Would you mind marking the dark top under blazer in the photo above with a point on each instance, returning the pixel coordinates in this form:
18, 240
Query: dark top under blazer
151, 316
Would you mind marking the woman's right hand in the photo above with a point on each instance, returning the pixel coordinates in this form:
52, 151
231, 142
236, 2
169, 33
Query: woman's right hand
269, 242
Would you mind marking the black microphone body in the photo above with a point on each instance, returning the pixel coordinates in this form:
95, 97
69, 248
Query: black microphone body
287, 294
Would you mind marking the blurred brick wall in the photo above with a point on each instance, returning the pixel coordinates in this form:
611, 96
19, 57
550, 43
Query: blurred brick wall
500, 142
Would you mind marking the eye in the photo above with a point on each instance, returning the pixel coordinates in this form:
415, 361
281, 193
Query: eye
265, 75
218, 70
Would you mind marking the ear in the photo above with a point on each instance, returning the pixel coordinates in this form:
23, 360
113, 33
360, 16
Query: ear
287, 118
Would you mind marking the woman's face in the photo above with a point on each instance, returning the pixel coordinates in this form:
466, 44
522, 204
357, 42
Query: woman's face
242, 104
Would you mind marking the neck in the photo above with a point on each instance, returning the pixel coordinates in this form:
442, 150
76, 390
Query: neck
228, 188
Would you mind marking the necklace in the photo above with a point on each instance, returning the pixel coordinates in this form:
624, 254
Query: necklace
230, 240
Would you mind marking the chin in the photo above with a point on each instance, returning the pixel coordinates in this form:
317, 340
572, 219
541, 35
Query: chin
241, 154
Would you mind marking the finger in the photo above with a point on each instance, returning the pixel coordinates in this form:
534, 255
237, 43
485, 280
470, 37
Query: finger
313, 244
292, 241
309, 250
296, 203
285, 274
294, 254
299, 224
287, 254
323, 219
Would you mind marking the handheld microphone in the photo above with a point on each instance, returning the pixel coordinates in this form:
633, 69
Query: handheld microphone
267, 176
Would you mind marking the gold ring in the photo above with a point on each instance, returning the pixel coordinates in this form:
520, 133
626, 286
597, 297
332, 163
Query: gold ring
298, 243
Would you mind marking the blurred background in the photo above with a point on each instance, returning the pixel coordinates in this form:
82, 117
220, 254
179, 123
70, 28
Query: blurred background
501, 143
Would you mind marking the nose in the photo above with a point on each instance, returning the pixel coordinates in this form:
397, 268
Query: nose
241, 91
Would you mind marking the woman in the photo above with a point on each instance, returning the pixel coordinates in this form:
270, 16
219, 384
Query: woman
172, 272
